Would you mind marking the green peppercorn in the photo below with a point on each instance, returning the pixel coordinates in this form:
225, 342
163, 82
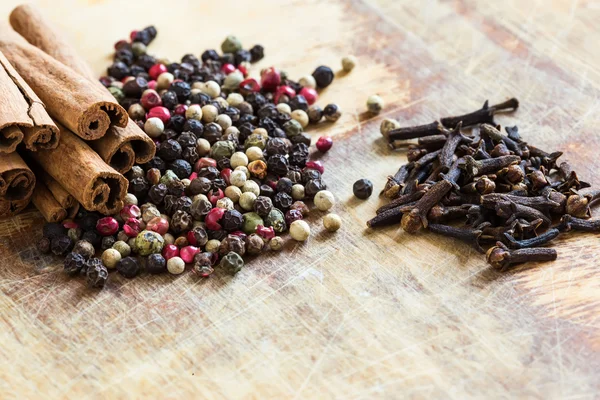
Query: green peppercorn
168, 177
117, 93
232, 263
251, 221
148, 242
231, 44
75, 234
276, 219
123, 248
292, 128
222, 149
257, 140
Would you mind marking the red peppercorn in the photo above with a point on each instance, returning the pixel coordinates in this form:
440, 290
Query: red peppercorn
193, 176
205, 162
130, 211
226, 175
310, 95
132, 227
132, 35
180, 109
270, 79
107, 226
156, 70
243, 70
215, 195
283, 90
150, 99
267, 233
127, 79
318, 165
152, 84
159, 112
70, 224
159, 225
213, 217
324, 144
188, 253
239, 234
227, 68
191, 238
170, 251
106, 81
248, 86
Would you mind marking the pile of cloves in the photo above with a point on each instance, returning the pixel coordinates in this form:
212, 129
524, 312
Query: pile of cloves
468, 180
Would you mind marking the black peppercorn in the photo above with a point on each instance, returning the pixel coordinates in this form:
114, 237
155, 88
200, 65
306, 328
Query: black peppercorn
278, 164
323, 76
61, 245
169, 134
177, 122
282, 201
192, 60
217, 235
362, 188
199, 185
278, 132
332, 112
242, 56
129, 267
93, 237
245, 108
73, 263
200, 236
96, 275
181, 221
139, 188
232, 113
267, 110
157, 193
299, 103
266, 190
187, 139
263, 205
314, 186
257, 52
169, 150
302, 137
232, 243
190, 154
219, 184
227, 58
118, 70
43, 245
123, 55
182, 90
199, 98
146, 61
181, 168
183, 203
135, 87
52, 230
200, 208
155, 162
156, 264
310, 174
210, 55
212, 132
268, 124
169, 99
107, 242
169, 204
284, 185
294, 176
210, 173
315, 113
232, 220
194, 126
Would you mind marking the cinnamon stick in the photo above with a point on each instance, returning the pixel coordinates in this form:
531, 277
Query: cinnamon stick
120, 147
69, 97
17, 183
64, 198
47, 205
82, 173
22, 114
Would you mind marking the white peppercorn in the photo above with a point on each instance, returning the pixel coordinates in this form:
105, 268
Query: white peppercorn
224, 121
238, 159
186, 182
212, 246
284, 108
247, 201
245, 170
136, 111
324, 200
202, 147
251, 186
332, 222
297, 192
225, 203
110, 258
209, 113
301, 117
348, 63
154, 127
211, 88
375, 104
194, 112
276, 243
164, 80
130, 199
237, 178
232, 130
169, 239
254, 153
387, 125
233, 192
261, 131
234, 99
308, 81
175, 265
299, 230
199, 197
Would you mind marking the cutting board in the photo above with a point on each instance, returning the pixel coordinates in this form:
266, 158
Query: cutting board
358, 314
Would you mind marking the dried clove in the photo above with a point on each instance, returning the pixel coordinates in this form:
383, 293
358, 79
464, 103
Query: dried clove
467, 235
501, 257
414, 132
485, 115
538, 241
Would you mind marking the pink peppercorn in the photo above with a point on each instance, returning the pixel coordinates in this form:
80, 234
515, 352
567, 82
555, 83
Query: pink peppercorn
310, 95
226, 175
170, 251
318, 165
283, 90
150, 99
130, 211
107, 226
204, 162
70, 224
188, 253
248, 86
132, 35
180, 109
270, 79
152, 84
243, 70
132, 227
193, 176
159, 112
156, 70
191, 238
215, 195
159, 225
227, 68
213, 218
267, 233
324, 144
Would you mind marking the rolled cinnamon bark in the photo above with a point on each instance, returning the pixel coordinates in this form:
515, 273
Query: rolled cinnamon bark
64, 198
120, 146
69, 97
22, 114
47, 205
17, 183
82, 173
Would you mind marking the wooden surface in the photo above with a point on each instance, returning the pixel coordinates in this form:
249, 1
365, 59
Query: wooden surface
357, 314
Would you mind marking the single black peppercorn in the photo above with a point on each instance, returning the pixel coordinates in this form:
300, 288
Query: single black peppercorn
199, 98
169, 150
224, 163
284, 185
169, 99
282, 201
314, 186
123, 55
146, 61
157, 193
219, 184
210, 55
181, 221
73, 263
263, 205
210, 173
278, 164
181, 168
93, 237
135, 87
199, 185
169, 204
155, 162
200, 235
156, 264
107, 242
97, 274
363, 188
61, 245
257, 52
52, 230
169, 134
302, 137
177, 122
242, 56
332, 112
310, 174
200, 208
217, 235
323, 76
232, 220
118, 70
183, 203
194, 126
187, 139
139, 188
267, 191
129, 267
190, 154
299, 103
182, 90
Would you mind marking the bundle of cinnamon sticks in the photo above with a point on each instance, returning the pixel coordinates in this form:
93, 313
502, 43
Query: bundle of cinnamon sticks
64, 140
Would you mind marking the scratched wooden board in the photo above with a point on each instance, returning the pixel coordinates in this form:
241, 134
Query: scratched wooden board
357, 314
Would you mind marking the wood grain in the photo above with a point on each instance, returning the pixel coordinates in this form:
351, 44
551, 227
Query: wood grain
359, 314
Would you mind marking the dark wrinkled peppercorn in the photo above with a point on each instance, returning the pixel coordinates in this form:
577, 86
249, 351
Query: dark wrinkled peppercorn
157, 193
107, 242
155, 162
156, 264
139, 188
217, 235
276, 146
314, 186
135, 87
257, 52
211, 173
190, 154
210, 55
298, 103
177, 122
232, 220
282, 201
96, 275
187, 139
200, 236
278, 164
118, 70
181, 168
323, 76
183, 203
169, 204
232, 243
285, 185
362, 188
310, 174
301, 138
129, 267
199, 186
267, 191
263, 206
292, 215
52, 230
232, 263
169, 99
84, 248
181, 221
315, 113
182, 90
169, 150
61, 245
92, 237
200, 208
294, 176
73, 263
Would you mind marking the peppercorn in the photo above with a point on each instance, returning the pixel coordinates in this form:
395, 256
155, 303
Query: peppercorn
222, 149
232, 220
200, 208
332, 112
301, 117
123, 248
254, 244
255, 140
257, 52
183, 203
199, 186
232, 243
209, 113
157, 193
284, 185
253, 153
107, 242
362, 188
182, 90
324, 200
209, 172
181, 221
278, 164
310, 174
251, 186
136, 111
169, 150
294, 175
314, 186
299, 230
212, 133
297, 191
348, 63
52, 230
110, 258
209, 55
375, 104
267, 191
154, 127
139, 187
148, 242
231, 44
61, 245
92, 237
292, 127
299, 102
251, 221
156, 264
276, 243
43, 245
323, 76
292, 215
175, 265
263, 206
232, 263
75, 234
282, 200
332, 222
74, 263
181, 168
276, 220
181, 241
129, 267
302, 137
118, 70
225, 203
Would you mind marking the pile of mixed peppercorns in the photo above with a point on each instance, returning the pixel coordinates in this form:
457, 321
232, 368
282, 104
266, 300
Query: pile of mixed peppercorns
231, 171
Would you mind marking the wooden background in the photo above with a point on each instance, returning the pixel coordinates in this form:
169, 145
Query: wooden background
357, 314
